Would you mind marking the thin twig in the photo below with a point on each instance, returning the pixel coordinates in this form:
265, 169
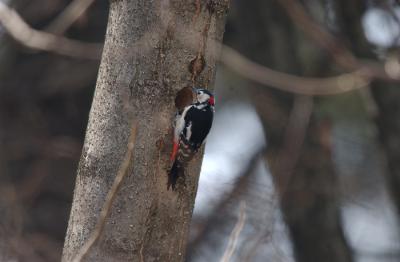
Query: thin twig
234, 236
39, 40
322, 37
359, 78
122, 173
68, 16
212, 222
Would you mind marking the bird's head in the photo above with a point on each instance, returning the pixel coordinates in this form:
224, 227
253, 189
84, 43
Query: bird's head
204, 96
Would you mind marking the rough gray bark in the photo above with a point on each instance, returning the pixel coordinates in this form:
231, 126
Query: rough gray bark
152, 49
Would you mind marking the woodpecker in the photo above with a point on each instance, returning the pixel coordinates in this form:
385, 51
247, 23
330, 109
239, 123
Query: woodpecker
192, 125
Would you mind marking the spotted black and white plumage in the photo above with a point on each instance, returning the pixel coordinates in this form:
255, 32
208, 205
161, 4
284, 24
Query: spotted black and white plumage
192, 126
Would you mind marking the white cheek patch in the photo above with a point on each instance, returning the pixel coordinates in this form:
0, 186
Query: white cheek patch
200, 98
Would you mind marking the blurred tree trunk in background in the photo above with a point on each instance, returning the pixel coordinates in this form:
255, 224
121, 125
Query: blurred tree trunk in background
310, 202
386, 94
387, 97
149, 48
308, 189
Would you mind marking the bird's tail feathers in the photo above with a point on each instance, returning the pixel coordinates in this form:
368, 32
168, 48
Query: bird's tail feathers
173, 175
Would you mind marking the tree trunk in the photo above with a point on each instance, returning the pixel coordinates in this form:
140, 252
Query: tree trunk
387, 97
310, 202
385, 94
152, 49
307, 182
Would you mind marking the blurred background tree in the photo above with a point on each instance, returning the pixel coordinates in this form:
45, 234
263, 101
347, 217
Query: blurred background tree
319, 175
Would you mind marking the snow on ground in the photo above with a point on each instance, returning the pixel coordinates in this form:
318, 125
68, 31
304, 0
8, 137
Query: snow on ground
235, 134
368, 214
380, 26
369, 220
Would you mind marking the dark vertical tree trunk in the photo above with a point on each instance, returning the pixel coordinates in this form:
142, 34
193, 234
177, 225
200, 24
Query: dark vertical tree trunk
310, 202
385, 94
308, 189
149, 48
387, 97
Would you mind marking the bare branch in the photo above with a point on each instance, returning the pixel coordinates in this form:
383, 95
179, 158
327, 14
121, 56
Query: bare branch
122, 172
323, 38
341, 55
39, 40
233, 238
215, 220
291, 83
360, 77
69, 15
